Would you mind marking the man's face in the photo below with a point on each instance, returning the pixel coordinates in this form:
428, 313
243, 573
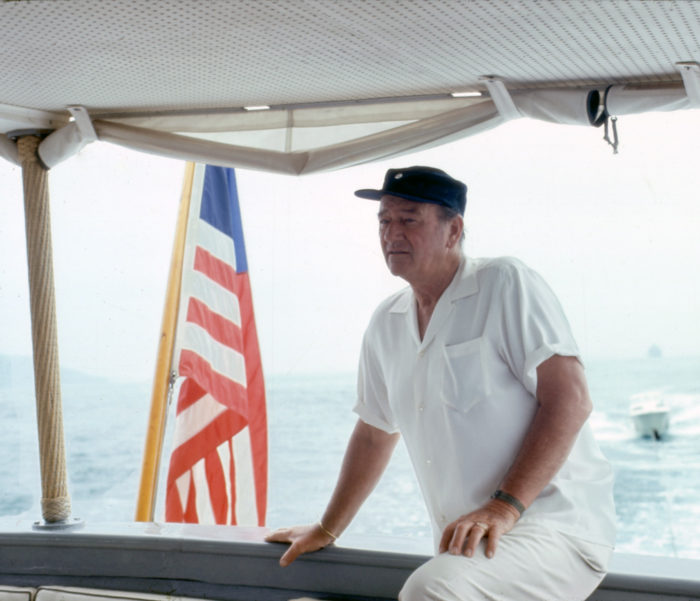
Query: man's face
414, 240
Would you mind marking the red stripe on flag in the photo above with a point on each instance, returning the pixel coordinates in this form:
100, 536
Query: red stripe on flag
202, 445
217, 487
217, 326
227, 277
173, 506
190, 393
257, 414
221, 429
232, 484
190, 515
227, 392
215, 269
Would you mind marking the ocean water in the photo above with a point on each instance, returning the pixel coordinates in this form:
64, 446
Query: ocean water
657, 487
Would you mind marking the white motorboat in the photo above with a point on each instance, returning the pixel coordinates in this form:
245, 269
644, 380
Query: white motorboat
651, 418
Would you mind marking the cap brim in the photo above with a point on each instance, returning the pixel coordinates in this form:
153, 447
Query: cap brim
370, 194
377, 195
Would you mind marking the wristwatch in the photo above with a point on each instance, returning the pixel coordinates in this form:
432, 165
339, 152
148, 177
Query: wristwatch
510, 499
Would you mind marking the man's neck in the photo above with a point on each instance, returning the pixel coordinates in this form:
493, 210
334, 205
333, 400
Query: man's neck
428, 294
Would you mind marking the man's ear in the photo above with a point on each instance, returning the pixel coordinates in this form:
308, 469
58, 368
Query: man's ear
456, 229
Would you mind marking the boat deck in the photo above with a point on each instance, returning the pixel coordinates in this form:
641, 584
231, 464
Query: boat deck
234, 564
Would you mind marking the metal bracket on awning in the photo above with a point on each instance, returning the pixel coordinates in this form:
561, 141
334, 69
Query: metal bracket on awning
82, 120
501, 97
690, 72
69, 140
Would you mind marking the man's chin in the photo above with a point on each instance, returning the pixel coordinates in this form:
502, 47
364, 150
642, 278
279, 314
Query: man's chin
397, 264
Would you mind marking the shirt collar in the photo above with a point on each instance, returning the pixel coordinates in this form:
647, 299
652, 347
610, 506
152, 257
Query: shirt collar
402, 303
463, 284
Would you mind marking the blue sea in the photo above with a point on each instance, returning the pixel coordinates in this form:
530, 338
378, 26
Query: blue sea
657, 488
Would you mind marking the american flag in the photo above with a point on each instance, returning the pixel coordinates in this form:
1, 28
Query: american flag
218, 467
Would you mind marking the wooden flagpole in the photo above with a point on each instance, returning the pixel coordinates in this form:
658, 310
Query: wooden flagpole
145, 505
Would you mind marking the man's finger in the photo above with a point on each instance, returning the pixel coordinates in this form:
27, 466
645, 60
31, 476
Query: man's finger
476, 533
290, 555
446, 538
491, 544
458, 538
281, 535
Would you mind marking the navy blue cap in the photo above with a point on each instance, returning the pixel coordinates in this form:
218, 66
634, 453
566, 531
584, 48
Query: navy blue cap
421, 184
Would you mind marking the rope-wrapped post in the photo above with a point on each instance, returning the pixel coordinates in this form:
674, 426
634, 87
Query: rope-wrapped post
55, 502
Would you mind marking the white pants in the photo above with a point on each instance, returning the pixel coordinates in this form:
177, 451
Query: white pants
532, 563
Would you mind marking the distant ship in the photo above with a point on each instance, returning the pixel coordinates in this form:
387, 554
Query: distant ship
654, 351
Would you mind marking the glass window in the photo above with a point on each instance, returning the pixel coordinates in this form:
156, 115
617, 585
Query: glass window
615, 235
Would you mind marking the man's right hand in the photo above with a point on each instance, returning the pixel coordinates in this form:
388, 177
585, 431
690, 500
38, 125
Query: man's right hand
303, 539
368, 452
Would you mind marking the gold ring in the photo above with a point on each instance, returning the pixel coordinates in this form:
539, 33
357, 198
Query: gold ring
481, 525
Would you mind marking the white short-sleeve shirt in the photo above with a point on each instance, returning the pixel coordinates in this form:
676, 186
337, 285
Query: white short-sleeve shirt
464, 396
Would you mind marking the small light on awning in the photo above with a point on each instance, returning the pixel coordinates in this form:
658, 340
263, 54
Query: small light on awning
262, 107
465, 94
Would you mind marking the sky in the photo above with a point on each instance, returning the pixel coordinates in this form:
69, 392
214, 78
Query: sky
615, 235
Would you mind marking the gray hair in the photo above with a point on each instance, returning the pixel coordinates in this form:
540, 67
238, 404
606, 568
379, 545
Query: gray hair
448, 214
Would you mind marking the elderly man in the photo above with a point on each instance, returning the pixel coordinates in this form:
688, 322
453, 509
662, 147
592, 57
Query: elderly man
475, 365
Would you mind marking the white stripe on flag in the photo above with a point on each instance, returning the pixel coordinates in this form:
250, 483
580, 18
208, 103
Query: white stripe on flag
216, 242
195, 418
224, 360
225, 458
246, 510
183, 487
204, 510
216, 297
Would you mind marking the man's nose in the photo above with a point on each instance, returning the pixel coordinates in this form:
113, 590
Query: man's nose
392, 231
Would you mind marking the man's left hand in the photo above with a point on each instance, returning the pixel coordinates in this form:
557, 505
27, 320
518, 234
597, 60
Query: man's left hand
492, 521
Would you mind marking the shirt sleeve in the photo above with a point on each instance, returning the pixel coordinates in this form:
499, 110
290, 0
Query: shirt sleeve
372, 399
534, 325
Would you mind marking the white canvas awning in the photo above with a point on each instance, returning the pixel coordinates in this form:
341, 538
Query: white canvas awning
343, 82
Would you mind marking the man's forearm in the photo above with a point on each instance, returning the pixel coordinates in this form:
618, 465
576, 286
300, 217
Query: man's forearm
367, 455
564, 406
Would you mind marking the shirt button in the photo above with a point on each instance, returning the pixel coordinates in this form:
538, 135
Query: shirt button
420, 408
428, 461
421, 353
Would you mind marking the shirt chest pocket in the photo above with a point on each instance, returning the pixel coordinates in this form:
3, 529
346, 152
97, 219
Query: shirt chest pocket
465, 379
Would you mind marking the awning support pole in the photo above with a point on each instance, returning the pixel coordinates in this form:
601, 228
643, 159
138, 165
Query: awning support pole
55, 502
